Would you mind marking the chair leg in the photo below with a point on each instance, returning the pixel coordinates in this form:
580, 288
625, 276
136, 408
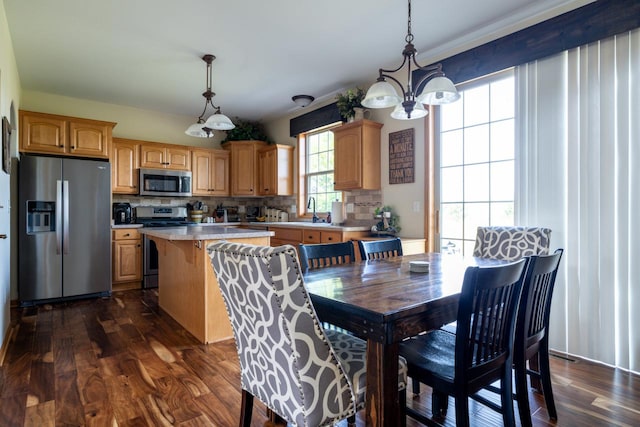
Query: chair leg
415, 384
439, 404
403, 407
545, 377
246, 409
534, 365
506, 398
522, 393
462, 411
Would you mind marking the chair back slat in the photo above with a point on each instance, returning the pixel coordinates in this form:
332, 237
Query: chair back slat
377, 249
322, 255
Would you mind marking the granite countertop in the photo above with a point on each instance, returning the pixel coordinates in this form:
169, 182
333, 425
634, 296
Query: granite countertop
318, 225
199, 232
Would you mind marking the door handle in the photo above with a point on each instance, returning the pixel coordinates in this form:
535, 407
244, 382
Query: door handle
3, 236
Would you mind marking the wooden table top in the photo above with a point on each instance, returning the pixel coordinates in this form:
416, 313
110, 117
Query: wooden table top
385, 291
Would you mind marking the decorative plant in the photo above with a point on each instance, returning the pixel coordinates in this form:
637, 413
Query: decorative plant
348, 101
247, 130
389, 223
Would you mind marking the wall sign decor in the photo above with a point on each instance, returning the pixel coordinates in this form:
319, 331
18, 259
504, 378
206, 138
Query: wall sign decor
401, 157
6, 143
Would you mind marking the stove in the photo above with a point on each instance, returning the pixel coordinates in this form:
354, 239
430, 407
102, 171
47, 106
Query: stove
162, 216
157, 216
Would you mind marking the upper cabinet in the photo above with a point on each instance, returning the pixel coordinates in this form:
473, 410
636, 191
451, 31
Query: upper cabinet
53, 134
275, 170
244, 158
210, 171
125, 161
165, 156
357, 156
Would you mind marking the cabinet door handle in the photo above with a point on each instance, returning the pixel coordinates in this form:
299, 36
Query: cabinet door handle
330, 238
127, 235
139, 245
3, 236
61, 146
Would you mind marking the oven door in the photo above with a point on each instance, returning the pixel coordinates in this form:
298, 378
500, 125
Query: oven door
150, 268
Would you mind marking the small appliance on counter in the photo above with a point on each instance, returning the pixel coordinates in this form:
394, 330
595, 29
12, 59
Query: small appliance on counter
122, 213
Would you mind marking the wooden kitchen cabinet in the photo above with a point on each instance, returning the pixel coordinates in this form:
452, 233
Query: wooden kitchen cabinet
275, 170
127, 258
210, 172
72, 136
165, 156
244, 158
321, 236
125, 162
357, 156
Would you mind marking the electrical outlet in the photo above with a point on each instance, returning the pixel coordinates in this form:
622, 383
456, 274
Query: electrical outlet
350, 208
416, 206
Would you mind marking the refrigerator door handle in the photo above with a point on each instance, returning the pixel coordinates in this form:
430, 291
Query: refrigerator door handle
58, 217
65, 195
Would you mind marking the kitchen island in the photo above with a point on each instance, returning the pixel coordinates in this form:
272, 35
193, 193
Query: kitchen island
187, 286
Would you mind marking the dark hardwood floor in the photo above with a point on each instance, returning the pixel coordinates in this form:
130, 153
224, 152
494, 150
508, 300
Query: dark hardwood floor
119, 361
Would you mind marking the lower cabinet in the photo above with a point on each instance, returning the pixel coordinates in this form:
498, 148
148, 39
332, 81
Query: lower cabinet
127, 259
294, 236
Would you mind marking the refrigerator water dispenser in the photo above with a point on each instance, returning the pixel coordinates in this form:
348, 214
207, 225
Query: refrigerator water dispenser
41, 217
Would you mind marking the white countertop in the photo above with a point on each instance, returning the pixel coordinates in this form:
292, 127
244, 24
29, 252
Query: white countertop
203, 232
319, 225
126, 226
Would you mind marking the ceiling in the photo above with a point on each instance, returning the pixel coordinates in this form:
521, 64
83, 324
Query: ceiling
147, 53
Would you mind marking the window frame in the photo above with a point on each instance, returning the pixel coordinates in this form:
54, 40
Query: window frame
435, 228
302, 169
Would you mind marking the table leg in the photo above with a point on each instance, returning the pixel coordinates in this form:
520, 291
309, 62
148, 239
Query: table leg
383, 402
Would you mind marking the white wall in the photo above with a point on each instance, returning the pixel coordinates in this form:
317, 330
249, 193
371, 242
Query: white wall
9, 95
400, 196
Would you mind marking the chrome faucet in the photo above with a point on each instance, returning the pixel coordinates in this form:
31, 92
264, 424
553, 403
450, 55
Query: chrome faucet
314, 218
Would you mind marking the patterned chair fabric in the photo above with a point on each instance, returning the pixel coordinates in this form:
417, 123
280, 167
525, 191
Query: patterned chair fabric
511, 243
308, 376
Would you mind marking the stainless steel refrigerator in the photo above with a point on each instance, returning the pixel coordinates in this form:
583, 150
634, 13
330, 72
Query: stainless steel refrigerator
64, 228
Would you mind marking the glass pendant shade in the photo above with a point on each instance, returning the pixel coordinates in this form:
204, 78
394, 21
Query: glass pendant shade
439, 90
381, 95
219, 121
418, 112
197, 131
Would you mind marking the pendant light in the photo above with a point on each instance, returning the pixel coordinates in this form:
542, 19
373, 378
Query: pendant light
433, 88
217, 121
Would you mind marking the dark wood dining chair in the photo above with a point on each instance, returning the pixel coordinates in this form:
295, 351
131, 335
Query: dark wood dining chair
321, 255
480, 353
532, 333
304, 374
376, 249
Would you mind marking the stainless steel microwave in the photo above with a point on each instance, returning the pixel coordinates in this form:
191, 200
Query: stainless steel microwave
164, 182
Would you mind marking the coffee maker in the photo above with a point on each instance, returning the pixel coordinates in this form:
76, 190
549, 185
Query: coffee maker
122, 213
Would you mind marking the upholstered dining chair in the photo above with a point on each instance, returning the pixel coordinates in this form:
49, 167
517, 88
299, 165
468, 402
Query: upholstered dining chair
304, 374
376, 249
320, 255
480, 353
511, 243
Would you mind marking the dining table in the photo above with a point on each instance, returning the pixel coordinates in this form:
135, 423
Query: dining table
384, 302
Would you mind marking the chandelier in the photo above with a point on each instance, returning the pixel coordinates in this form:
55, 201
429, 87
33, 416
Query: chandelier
217, 121
433, 88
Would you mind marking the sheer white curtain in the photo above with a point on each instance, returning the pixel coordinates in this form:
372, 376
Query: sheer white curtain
579, 173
